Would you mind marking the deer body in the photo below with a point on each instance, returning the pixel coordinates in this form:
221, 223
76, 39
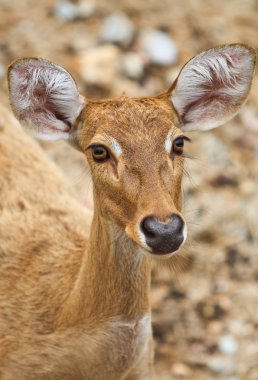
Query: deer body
61, 330
72, 308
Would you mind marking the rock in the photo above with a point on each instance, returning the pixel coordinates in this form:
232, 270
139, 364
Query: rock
214, 307
85, 9
224, 180
81, 42
68, 11
222, 286
65, 11
248, 187
158, 48
240, 328
220, 365
132, 65
2, 70
99, 66
180, 369
228, 345
117, 29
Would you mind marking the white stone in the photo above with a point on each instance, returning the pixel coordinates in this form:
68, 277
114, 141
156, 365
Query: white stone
228, 345
132, 65
68, 11
65, 11
2, 70
221, 365
117, 28
158, 48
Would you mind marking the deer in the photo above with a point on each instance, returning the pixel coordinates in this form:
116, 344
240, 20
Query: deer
75, 303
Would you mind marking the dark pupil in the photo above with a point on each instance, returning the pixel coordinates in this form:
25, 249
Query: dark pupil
179, 143
99, 151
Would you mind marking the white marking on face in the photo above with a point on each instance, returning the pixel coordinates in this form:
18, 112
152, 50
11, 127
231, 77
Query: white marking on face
116, 147
105, 139
184, 234
168, 142
142, 238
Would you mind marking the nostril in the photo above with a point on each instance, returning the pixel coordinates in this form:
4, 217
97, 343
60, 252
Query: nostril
177, 223
148, 226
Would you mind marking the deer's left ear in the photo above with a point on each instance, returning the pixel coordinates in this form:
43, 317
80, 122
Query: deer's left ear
211, 87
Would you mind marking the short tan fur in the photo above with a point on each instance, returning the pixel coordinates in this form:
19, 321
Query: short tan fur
72, 308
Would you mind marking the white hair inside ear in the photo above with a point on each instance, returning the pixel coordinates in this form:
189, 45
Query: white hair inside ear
44, 98
212, 86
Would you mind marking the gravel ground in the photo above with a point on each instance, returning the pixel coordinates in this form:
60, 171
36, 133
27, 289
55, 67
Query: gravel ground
205, 302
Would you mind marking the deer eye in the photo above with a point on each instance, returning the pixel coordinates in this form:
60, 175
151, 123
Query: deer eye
178, 146
99, 153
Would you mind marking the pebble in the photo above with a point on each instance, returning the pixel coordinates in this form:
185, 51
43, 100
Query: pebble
180, 369
240, 328
68, 11
2, 70
228, 345
85, 9
99, 66
65, 11
82, 41
117, 29
158, 48
221, 286
220, 365
132, 65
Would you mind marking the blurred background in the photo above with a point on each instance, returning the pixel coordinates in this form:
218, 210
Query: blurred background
205, 304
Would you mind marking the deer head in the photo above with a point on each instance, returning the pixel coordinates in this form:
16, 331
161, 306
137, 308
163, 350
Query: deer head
135, 146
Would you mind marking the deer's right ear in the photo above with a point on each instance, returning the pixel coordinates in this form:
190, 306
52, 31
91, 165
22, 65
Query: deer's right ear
44, 98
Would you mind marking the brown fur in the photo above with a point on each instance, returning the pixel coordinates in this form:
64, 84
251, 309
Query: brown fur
72, 309
96, 298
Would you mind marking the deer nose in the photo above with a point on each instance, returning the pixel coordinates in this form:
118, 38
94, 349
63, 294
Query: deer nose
163, 237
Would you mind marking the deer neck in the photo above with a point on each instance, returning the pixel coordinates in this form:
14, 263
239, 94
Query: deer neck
114, 278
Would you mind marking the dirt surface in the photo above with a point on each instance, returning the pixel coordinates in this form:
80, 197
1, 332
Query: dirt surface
205, 303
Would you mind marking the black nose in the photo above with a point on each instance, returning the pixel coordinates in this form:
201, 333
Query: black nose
163, 237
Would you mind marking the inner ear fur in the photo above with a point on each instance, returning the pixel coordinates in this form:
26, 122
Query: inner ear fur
44, 97
211, 87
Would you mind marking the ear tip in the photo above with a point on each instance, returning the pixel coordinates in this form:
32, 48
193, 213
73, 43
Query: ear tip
19, 63
249, 49
253, 53
244, 48
22, 62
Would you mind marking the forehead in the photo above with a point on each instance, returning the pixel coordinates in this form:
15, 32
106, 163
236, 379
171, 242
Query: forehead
136, 118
